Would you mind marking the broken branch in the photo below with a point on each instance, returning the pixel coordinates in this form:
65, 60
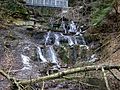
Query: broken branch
105, 78
69, 71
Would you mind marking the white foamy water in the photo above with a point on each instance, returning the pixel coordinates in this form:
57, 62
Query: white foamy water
83, 40
75, 40
51, 55
26, 62
41, 55
57, 40
47, 38
93, 58
73, 27
70, 41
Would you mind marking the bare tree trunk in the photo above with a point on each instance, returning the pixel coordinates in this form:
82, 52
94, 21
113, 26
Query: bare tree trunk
18, 83
70, 71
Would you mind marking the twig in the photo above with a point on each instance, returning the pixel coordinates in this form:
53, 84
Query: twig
4, 74
43, 85
12, 80
105, 77
9, 70
87, 84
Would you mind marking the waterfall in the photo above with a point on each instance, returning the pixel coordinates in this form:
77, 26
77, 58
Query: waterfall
57, 39
47, 38
73, 27
83, 40
70, 41
26, 62
41, 57
75, 40
51, 55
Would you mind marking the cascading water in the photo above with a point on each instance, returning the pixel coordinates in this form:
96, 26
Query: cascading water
75, 41
51, 56
83, 40
26, 62
73, 27
41, 57
57, 39
70, 41
47, 38
93, 58
70, 35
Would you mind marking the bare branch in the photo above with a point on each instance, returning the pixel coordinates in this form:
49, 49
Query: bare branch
12, 80
105, 77
43, 85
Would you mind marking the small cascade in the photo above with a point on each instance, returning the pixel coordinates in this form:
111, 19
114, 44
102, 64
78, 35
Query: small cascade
75, 41
73, 28
57, 39
83, 40
26, 62
70, 41
41, 57
51, 56
47, 38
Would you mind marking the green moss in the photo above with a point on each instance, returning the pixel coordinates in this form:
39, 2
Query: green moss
11, 7
100, 10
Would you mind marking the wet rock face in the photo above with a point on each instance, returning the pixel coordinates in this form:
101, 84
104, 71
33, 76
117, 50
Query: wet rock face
39, 38
28, 49
34, 52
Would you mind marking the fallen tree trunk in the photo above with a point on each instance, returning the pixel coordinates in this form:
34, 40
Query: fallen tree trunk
69, 71
17, 83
